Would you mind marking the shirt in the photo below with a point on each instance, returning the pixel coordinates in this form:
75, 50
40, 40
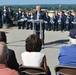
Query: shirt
67, 55
32, 58
7, 71
38, 15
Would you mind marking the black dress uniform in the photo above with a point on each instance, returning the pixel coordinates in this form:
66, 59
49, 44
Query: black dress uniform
48, 24
10, 16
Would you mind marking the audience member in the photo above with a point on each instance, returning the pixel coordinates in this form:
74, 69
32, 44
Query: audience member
4, 70
67, 55
33, 54
12, 62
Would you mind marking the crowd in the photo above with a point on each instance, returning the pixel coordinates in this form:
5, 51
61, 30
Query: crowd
58, 20
8, 61
6, 16
33, 46
33, 43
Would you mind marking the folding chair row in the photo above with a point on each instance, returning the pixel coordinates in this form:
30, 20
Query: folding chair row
27, 70
65, 70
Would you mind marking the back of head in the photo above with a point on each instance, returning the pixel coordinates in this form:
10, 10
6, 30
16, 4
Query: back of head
3, 53
33, 43
3, 37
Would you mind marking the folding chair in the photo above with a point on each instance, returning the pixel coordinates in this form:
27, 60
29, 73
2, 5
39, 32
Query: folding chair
65, 70
27, 70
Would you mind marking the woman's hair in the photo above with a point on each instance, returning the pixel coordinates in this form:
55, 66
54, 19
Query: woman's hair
3, 37
33, 43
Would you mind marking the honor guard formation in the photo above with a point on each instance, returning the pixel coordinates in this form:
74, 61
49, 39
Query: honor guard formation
58, 21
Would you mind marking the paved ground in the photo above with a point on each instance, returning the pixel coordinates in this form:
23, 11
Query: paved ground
53, 41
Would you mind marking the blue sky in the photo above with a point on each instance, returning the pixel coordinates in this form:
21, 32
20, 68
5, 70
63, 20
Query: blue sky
22, 2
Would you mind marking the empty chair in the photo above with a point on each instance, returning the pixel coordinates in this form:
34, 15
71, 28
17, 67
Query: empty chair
65, 70
27, 70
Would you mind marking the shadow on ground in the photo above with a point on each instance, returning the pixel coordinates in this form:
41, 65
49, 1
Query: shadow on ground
54, 44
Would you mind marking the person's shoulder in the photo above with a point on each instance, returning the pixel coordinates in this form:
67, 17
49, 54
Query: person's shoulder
35, 12
64, 47
0, 10
41, 11
37, 53
11, 71
14, 72
11, 51
40, 53
24, 53
72, 15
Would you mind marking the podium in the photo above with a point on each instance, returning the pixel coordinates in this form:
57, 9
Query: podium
41, 30
34, 21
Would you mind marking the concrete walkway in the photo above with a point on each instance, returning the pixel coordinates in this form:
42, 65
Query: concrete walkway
53, 41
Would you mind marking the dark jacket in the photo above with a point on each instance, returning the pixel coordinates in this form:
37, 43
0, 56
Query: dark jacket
42, 15
19, 15
12, 61
10, 13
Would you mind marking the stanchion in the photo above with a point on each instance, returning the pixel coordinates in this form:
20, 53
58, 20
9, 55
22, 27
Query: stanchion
35, 21
34, 31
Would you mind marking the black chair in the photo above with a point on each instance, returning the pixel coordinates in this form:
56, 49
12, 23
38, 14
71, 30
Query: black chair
27, 70
65, 70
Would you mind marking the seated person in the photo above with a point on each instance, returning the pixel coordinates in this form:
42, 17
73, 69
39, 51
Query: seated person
12, 61
67, 55
4, 70
32, 56
22, 22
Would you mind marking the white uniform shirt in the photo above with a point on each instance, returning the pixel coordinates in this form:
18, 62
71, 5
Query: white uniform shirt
38, 15
32, 58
